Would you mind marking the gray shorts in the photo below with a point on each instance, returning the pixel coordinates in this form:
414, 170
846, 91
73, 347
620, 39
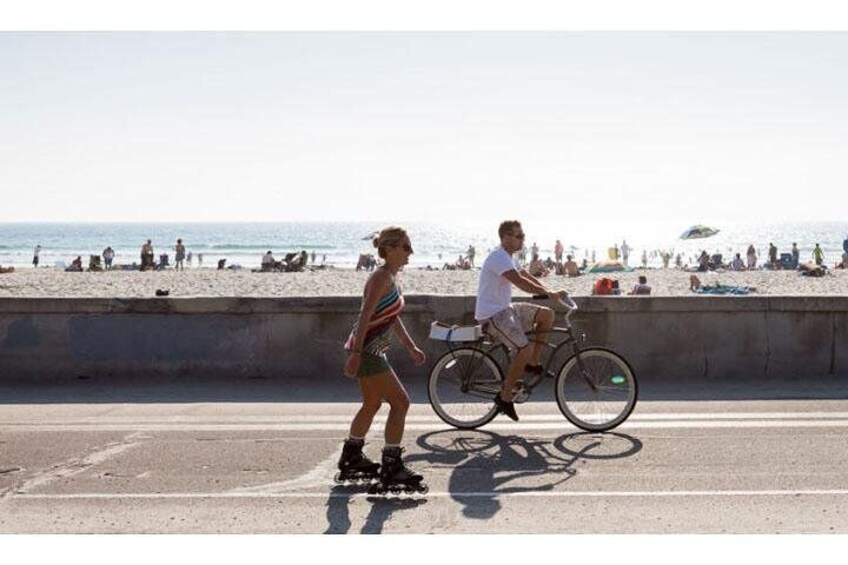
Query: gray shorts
510, 326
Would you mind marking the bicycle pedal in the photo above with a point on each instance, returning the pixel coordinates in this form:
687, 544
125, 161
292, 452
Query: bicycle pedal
520, 397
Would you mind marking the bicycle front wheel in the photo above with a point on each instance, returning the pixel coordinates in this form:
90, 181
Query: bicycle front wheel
462, 387
596, 389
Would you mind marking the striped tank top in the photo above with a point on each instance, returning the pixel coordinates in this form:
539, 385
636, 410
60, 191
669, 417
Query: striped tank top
378, 336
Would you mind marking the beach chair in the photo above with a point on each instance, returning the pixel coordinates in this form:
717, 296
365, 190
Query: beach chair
94, 263
786, 261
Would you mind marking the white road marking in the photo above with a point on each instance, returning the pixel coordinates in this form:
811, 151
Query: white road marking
526, 424
74, 467
359, 493
320, 476
311, 419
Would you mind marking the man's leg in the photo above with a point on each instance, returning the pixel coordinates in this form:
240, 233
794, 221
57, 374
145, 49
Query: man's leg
544, 322
515, 372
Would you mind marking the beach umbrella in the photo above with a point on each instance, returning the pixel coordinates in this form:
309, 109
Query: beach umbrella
698, 232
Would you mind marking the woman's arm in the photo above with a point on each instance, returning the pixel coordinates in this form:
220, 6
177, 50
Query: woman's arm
400, 332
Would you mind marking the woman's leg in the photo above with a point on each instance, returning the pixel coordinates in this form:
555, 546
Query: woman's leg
398, 401
372, 399
376, 388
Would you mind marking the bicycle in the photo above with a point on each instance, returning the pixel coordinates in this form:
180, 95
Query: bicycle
596, 388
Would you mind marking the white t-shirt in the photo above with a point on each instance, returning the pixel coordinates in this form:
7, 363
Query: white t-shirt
494, 292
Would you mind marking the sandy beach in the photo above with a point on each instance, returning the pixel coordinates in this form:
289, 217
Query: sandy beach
45, 282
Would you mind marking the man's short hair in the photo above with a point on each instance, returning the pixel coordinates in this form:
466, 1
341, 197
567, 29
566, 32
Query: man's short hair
507, 227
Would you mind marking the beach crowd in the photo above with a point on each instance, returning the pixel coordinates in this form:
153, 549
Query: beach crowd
666, 274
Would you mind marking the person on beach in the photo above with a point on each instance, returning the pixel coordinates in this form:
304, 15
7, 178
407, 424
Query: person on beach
369, 340
818, 255
180, 253
642, 288
625, 252
737, 264
268, 262
703, 261
752, 257
471, 253
76, 265
108, 255
147, 256
558, 251
506, 322
35, 253
772, 254
189, 257
570, 268
796, 255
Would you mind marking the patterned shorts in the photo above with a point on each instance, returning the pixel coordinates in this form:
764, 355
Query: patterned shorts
510, 326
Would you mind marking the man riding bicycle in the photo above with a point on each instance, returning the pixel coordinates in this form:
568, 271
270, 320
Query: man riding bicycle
506, 322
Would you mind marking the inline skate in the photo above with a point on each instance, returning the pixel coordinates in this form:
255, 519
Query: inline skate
354, 466
395, 477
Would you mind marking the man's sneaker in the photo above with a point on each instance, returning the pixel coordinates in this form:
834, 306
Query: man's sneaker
505, 407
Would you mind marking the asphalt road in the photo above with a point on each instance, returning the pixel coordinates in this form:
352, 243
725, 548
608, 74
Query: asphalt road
259, 457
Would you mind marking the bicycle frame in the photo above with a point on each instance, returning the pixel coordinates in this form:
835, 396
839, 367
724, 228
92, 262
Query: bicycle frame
487, 347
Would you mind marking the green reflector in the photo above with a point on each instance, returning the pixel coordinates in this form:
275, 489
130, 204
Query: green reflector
617, 380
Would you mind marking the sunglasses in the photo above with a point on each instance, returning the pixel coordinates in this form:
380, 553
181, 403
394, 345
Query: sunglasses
406, 247
517, 235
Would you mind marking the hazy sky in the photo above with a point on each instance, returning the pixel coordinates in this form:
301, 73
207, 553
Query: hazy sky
172, 126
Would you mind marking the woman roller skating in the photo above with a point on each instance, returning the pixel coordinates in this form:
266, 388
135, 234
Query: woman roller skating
367, 362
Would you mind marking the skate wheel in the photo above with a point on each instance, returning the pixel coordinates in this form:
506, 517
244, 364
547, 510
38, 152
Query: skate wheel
423, 489
338, 479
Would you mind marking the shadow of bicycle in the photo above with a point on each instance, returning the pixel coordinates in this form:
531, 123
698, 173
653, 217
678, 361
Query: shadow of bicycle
485, 465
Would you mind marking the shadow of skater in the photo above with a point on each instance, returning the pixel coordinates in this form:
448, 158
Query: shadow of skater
382, 510
338, 515
342, 496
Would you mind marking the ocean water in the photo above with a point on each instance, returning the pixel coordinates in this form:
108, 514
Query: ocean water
340, 243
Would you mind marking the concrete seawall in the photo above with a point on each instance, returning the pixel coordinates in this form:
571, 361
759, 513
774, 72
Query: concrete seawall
662, 337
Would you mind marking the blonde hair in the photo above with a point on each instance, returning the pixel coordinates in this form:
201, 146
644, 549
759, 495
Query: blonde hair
391, 236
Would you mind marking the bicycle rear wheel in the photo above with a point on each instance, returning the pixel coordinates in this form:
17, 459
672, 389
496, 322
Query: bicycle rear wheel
596, 389
462, 387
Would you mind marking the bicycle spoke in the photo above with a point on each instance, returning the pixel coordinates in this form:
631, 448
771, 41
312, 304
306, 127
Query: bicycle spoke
462, 386
596, 390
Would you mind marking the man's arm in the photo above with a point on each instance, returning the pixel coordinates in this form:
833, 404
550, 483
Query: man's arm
529, 284
526, 274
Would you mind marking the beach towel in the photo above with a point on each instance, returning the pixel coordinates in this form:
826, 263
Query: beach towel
720, 289
609, 267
